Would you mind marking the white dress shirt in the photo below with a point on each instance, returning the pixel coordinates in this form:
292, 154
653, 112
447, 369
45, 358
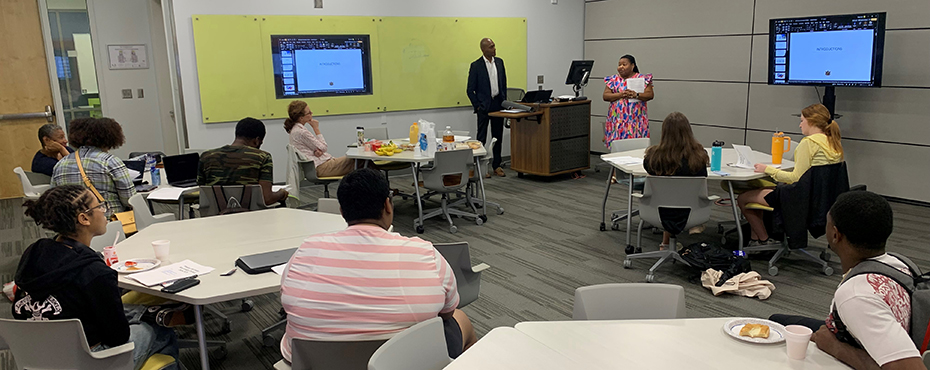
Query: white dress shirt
492, 75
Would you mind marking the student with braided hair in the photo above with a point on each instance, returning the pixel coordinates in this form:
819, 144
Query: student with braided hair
62, 278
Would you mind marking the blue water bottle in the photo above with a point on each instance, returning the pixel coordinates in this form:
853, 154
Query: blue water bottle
715, 153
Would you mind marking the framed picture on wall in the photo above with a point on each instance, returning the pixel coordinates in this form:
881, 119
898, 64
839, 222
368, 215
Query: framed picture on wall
127, 56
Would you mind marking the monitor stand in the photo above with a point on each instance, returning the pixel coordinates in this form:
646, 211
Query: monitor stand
829, 100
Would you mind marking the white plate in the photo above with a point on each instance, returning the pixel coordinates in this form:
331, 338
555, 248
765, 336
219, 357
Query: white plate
776, 330
143, 264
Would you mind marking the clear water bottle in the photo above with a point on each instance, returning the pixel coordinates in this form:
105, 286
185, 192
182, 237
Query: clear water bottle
716, 152
153, 171
360, 131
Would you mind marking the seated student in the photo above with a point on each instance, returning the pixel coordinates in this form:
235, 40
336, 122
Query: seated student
242, 162
820, 146
62, 278
364, 283
678, 154
94, 137
312, 145
875, 310
54, 148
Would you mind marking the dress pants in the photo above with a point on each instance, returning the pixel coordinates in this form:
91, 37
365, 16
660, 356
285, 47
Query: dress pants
497, 129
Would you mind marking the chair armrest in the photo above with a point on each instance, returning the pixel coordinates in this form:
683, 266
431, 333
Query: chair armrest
41, 188
164, 217
110, 352
480, 267
713, 198
638, 195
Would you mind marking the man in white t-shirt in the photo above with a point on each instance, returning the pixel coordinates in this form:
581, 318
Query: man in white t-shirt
870, 315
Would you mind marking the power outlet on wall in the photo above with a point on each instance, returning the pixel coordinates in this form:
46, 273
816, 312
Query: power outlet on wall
318, 3
539, 79
127, 93
554, 2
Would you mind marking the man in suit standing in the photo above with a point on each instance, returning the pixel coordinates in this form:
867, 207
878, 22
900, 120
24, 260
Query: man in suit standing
487, 89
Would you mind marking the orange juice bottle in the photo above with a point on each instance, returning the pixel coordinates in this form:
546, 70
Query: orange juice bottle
414, 133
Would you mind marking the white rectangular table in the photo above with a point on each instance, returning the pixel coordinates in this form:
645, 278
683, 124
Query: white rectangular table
217, 242
728, 157
633, 344
409, 156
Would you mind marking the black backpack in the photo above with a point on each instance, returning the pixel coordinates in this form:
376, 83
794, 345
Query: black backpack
703, 256
917, 288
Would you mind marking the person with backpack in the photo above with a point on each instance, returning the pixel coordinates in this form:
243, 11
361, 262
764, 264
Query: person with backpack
871, 323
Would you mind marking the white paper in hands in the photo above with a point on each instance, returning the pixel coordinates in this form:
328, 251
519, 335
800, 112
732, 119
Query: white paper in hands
636, 84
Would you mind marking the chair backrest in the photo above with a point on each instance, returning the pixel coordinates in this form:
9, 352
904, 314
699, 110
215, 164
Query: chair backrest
31, 189
637, 301
328, 205
208, 206
629, 144
467, 282
140, 211
32, 342
447, 164
377, 133
114, 228
335, 355
420, 347
667, 198
515, 94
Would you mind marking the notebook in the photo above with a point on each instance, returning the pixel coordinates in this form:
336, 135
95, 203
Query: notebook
263, 262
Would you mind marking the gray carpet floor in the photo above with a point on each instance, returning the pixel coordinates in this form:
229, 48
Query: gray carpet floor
546, 244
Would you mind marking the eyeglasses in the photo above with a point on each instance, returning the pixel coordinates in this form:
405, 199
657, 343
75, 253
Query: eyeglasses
102, 206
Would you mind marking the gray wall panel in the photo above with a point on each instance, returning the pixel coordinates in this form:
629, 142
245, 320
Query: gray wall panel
707, 135
722, 104
886, 114
872, 164
905, 61
634, 19
703, 58
901, 13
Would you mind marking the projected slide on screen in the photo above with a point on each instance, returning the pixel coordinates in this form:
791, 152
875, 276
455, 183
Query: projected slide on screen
321, 65
837, 50
836, 55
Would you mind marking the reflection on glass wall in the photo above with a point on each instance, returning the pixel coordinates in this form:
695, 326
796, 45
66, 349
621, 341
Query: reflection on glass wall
74, 60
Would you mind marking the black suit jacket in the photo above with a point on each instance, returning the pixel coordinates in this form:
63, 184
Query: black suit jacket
479, 85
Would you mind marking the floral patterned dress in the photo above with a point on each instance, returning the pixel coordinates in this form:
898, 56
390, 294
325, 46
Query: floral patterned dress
626, 118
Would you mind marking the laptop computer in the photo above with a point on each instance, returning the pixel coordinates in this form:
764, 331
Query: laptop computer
537, 96
181, 169
263, 262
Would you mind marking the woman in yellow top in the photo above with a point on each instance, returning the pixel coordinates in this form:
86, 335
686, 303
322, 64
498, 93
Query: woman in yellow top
820, 146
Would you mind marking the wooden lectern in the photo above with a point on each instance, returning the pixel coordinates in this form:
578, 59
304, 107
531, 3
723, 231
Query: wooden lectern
552, 140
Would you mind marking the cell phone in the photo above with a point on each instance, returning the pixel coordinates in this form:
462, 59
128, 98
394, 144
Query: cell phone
180, 285
721, 173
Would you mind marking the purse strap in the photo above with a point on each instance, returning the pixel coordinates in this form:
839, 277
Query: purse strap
86, 179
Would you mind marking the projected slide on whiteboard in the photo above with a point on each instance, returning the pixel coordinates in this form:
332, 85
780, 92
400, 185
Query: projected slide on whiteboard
836, 55
309, 66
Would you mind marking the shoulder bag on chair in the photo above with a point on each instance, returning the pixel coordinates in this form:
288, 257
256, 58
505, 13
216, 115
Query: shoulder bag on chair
229, 205
127, 219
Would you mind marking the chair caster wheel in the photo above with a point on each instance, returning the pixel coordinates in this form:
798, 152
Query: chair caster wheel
720, 229
638, 250
247, 305
723, 240
827, 270
220, 353
268, 340
500, 211
453, 229
629, 249
520, 175
484, 218
597, 169
825, 256
603, 227
226, 328
650, 278
615, 227
773, 271
478, 221
627, 264
420, 229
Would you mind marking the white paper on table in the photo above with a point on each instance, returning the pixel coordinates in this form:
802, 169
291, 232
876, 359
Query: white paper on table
279, 269
636, 84
624, 160
279, 187
512, 111
133, 174
745, 157
175, 271
169, 193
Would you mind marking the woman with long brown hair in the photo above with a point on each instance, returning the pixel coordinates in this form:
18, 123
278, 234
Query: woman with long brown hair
312, 145
678, 154
821, 146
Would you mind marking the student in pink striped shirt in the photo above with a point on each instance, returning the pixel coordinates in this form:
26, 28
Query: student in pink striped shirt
364, 283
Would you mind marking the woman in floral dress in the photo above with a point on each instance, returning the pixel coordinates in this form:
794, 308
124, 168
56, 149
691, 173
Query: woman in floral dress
627, 117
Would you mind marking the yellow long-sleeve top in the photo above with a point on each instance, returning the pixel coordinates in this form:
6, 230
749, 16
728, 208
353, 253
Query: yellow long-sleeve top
813, 150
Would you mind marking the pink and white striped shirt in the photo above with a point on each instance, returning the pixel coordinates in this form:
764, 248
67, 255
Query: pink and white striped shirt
363, 283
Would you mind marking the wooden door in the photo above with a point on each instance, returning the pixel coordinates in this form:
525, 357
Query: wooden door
24, 88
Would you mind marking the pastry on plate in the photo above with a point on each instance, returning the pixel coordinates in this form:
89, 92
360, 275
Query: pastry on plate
755, 331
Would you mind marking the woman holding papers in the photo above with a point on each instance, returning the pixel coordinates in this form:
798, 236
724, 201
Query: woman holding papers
62, 278
312, 145
627, 91
678, 154
820, 146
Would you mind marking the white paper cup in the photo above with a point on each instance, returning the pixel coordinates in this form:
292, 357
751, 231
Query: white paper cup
161, 249
797, 338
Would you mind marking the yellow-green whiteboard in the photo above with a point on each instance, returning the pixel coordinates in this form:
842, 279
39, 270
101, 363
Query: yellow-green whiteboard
416, 62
